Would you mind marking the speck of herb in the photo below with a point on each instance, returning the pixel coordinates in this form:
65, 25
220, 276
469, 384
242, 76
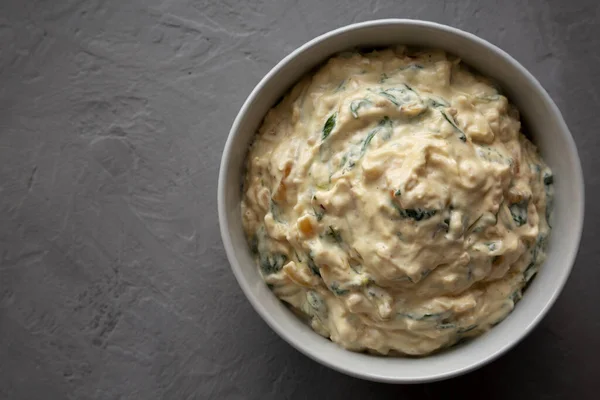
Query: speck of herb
446, 326
474, 222
467, 329
272, 263
329, 125
254, 245
343, 160
417, 214
274, 209
312, 265
434, 103
341, 86
516, 296
461, 136
385, 122
315, 300
390, 97
368, 140
318, 214
410, 88
337, 290
530, 271
334, 234
426, 316
519, 212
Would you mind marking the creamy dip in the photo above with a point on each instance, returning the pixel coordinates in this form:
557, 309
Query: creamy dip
391, 199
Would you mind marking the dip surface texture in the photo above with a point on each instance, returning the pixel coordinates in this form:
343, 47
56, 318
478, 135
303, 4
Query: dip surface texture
391, 199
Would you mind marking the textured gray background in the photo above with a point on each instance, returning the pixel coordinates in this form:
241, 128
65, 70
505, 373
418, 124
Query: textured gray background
113, 280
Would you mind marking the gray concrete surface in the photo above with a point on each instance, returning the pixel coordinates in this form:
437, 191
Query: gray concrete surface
113, 280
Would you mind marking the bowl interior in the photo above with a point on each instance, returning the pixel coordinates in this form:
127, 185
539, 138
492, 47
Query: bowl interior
547, 129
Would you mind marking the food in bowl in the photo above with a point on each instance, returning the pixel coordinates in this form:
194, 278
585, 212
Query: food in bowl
391, 200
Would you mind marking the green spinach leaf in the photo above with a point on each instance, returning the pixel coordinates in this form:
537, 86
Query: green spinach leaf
355, 105
329, 125
337, 290
519, 212
461, 135
272, 263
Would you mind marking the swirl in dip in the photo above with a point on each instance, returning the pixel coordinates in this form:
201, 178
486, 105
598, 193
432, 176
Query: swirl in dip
391, 199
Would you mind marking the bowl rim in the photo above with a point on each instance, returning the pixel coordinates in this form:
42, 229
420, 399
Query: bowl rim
273, 323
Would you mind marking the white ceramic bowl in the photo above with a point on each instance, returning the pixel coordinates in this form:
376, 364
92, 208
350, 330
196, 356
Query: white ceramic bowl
545, 125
